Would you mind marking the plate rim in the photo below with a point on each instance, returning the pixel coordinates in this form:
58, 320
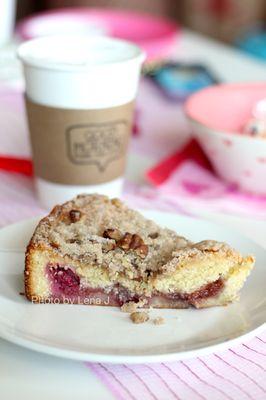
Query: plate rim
127, 358
63, 352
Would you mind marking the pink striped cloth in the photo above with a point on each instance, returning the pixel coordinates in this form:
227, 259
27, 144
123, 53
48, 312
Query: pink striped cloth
238, 373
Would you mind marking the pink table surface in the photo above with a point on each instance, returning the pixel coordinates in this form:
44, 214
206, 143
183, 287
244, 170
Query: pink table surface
235, 374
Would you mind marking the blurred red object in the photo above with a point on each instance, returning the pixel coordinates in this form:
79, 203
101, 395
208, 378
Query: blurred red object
20, 165
191, 151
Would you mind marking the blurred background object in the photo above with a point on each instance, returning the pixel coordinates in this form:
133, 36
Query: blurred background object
176, 80
7, 13
238, 22
155, 35
156, 7
223, 19
182, 59
217, 116
254, 42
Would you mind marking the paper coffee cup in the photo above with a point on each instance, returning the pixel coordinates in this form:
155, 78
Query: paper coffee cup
80, 98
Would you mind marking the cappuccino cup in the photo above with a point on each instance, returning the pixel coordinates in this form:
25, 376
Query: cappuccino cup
79, 97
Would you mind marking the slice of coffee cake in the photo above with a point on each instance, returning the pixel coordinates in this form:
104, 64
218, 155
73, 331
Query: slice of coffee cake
97, 251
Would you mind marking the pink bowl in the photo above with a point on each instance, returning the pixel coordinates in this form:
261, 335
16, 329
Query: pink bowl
155, 35
217, 116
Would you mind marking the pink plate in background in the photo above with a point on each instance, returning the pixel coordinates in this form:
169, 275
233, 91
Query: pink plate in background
155, 35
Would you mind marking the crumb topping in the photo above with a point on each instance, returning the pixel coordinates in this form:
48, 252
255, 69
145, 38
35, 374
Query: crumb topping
101, 231
201, 250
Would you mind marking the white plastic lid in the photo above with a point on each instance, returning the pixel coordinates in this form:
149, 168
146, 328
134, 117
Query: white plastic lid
72, 53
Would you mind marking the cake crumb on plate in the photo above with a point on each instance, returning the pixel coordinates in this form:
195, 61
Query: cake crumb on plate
139, 317
158, 321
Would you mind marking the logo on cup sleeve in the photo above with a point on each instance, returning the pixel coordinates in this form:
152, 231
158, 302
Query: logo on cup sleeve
97, 144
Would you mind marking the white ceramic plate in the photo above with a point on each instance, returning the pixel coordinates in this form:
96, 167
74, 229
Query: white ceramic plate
106, 334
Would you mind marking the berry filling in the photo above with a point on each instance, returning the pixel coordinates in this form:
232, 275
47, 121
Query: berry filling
65, 284
210, 290
64, 280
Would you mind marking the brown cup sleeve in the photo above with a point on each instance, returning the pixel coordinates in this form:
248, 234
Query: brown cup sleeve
79, 147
